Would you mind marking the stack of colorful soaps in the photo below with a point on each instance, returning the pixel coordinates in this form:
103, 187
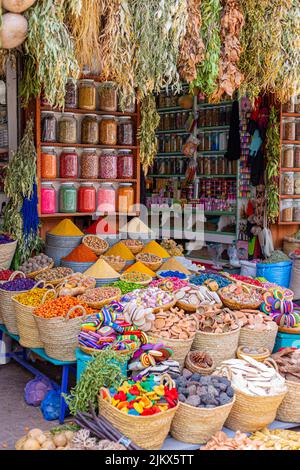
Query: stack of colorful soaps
141, 398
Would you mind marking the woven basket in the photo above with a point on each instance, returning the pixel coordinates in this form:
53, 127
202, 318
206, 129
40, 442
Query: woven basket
153, 265
7, 251
190, 365
26, 324
221, 346
11, 278
115, 264
233, 305
97, 252
59, 334
259, 339
197, 425
164, 307
141, 283
148, 432
259, 358
289, 409
190, 307
180, 347
7, 310
35, 273
101, 303
134, 249
290, 244
95, 352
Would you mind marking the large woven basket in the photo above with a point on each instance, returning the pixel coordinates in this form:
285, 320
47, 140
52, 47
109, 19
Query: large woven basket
7, 251
180, 347
26, 324
190, 365
220, 346
97, 252
153, 265
259, 339
198, 425
7, 310
35, 273
59, 335
233, 305
289, 409
148, 432
290, 244
11, 278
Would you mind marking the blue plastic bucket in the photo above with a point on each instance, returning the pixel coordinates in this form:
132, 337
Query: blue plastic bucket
279, 273
83, 360
77, 267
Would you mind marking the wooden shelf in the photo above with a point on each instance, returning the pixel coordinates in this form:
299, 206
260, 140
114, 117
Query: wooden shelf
173, 109
86, 214
173, 131
45, 109
70, 146
291, 115
89, 180
293, 196
289, 223
291, 142
295, 170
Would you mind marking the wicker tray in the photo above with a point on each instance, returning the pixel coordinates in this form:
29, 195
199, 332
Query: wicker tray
56, 282
237, 281
116, 265
135, 249
101, 303
233, 305
192, 308
97, 252
164, 307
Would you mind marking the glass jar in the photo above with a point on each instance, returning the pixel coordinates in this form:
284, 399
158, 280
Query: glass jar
67, 129
288, 156
106, 198
71, 96
48, 199
125, 131
125, 164
86, 198
286, 210
214, 141
207, 141
125, 197
288, 107
178, 121
161, 101
67, 198
173, 143
296, 211
49, 163
166, 122
108, 164
49, 127
289, 129
90, 130
207, 169
68, 163
87, 95
297, 184
89, 164
129, 105
167, 144
297, 104
108, 100
297, 156
297, 129
108, 130
288, 183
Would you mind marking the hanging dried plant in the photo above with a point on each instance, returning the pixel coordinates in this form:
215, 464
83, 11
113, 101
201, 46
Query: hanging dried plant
192, 47
158, 30
73, 7
261, 43
85, 29
288, 78
272, 166
149, 123
208, 70
230, 77
49, 58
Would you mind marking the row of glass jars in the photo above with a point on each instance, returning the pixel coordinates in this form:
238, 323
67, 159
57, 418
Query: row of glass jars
83, 94
290, 210
109, 130
290, 183
85, 199
291, 129
291, 156
111, 164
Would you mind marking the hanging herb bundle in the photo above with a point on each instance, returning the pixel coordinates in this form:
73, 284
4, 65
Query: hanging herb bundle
158, 30
19, 187
288, 78
103, 371
208, 70
49, 58
192, 47
272, 166
230, 77
261, 36
73, 7
148, 140
85, 30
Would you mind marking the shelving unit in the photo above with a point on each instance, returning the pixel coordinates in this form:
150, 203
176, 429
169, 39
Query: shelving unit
41, 109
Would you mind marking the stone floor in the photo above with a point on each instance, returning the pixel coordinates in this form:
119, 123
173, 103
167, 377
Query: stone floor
16, 417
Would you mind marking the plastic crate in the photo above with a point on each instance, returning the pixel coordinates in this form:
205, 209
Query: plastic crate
286, 340
83, 360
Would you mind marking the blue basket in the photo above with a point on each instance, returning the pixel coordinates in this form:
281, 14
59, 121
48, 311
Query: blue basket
83, 360
76, 267
286, 340
280, 273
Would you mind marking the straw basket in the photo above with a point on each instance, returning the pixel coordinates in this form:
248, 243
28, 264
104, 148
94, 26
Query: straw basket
98, 251
164, 307
197, 425
7, 310
153, 265
135, 249
192, 367
234, 305
221, 346
251, 413
180, 347
11, 278
101, 303
26, 324
7, 251
35, 273
258, 357
290, 244
148, 432
259, 339
56, 282
190, 307
59, 334
115, 264
147, 281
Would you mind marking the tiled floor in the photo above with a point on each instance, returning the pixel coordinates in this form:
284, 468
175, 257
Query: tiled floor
15, 415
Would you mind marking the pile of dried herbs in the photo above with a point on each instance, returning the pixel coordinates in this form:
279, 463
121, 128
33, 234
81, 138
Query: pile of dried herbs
148, 140
49, 58
19, 186
208, 70
272, 155
192, 47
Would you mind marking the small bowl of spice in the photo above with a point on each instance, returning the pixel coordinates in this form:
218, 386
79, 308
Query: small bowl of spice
96, 244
